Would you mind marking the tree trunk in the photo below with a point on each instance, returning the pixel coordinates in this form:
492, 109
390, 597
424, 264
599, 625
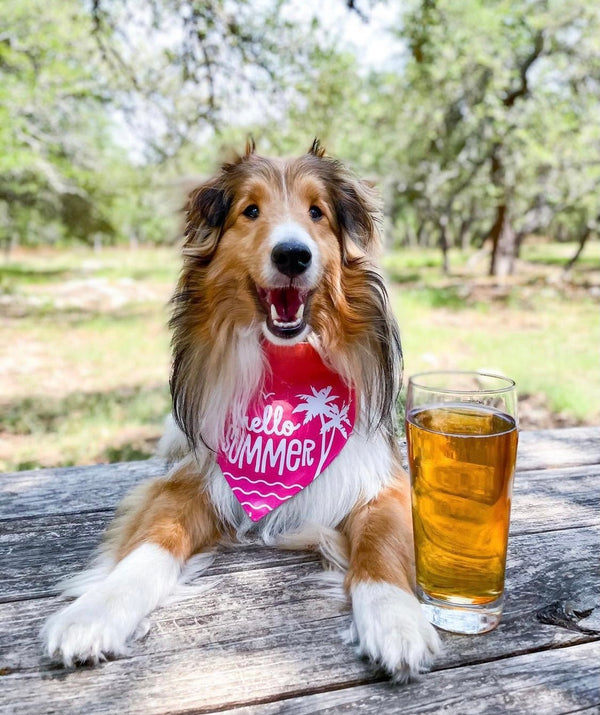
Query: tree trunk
502, 233
582, 241
504, 244
133, 241
444, 244
10, 244
464, 233
519, 243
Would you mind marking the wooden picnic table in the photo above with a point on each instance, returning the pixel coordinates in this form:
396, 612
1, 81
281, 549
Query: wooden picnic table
267, 637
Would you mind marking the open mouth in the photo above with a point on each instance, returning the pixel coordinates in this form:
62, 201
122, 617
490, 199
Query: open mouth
285, 308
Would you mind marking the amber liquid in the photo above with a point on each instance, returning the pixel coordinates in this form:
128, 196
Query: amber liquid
462, 462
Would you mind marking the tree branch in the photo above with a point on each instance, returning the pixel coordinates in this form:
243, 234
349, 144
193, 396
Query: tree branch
351, 5
523, 89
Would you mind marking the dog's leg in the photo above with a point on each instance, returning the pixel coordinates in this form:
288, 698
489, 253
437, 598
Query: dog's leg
158, 526
388, 623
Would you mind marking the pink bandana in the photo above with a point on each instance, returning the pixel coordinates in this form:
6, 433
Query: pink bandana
291, 432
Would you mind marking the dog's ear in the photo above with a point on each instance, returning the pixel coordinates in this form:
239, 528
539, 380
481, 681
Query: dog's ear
359, 212
356, 203
206, 213
250, 146
208, 204
317, 149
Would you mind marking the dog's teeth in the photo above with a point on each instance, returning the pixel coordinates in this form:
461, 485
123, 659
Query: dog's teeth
281, 324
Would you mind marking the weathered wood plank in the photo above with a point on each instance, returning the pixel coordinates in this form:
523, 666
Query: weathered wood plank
276, 602
75, 489
551, 449
72, 489
553, 683
555, 499
238, 605
268, 668
209, 677
37, 552
265, 633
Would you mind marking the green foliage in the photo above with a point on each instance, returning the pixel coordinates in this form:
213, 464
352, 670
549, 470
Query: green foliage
47, 415
478, 131
491, 111
63, 176
53, 132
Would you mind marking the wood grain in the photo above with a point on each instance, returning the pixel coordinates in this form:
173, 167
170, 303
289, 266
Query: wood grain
266, 668
277, 603
74, 490
267, 635
551, 449
555, 499
37, 552
558, 681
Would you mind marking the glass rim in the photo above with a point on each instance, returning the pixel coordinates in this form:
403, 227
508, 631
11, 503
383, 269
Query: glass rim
509, 383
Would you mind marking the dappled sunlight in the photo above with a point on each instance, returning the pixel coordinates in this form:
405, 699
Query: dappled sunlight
473, 129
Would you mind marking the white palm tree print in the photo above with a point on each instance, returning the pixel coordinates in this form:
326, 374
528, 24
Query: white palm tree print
316, 405
333, 418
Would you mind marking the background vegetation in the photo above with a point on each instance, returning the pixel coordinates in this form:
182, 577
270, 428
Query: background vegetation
478, 120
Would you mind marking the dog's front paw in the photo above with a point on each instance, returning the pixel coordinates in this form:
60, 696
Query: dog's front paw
84, 632
391, 629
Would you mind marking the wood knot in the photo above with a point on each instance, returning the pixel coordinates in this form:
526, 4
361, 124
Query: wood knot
580, 616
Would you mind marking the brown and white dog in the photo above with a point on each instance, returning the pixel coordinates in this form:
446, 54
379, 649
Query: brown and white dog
280, 251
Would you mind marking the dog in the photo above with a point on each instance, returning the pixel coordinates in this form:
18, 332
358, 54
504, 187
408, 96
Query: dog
279, 288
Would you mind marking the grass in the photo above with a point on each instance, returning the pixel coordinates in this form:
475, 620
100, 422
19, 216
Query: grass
548, 351
84, 362
557, 254
537, 327
113, 425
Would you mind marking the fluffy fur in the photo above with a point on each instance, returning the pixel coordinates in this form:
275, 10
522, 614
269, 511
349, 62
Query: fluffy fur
228, 302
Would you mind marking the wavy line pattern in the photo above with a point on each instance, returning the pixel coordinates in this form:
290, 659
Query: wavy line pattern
327, 433
262, 494
230, 476
257, 507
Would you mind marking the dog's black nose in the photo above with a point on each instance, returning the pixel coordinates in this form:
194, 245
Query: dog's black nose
291, 257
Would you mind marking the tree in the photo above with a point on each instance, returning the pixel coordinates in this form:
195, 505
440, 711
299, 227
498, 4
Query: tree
96, 97
186, 70
479, 135
53, 132
494, 101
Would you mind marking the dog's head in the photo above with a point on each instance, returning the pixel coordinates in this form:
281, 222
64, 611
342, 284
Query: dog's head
283, 250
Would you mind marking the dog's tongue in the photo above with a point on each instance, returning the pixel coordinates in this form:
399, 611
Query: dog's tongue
286, 301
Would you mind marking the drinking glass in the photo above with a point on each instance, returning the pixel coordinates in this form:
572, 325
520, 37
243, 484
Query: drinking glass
461, 430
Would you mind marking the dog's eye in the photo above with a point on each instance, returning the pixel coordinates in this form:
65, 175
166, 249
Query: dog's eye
315, 213
251, 211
